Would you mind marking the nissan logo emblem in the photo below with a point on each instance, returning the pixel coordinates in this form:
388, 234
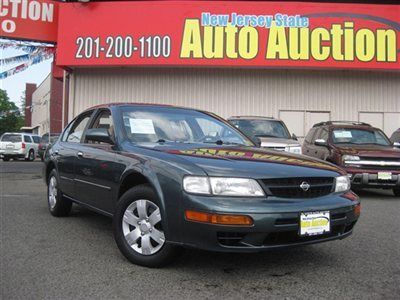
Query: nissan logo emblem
305, 186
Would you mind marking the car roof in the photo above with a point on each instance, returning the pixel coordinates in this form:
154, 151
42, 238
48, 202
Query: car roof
253, 118
345, 124
109, 105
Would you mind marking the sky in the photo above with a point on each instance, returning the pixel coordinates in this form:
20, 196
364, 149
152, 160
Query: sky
15, 84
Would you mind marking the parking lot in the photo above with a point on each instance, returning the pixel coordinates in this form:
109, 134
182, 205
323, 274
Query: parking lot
43, 257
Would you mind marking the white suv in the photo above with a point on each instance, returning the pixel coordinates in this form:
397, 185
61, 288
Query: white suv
18, 145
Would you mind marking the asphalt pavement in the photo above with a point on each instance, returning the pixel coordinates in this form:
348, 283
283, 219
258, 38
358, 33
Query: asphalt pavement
43, 257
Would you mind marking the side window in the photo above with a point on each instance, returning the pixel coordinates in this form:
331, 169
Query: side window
27, 139
309, 136
36, 139
103, 120
75, 134
316, 135
324, 134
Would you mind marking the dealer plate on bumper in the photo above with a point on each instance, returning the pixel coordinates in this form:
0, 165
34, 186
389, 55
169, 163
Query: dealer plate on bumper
313, 223
384, 175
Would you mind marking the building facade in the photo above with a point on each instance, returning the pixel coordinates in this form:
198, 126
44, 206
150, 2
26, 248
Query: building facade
301, 92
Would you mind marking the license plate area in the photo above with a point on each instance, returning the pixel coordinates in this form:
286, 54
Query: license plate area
314, 223
384, 175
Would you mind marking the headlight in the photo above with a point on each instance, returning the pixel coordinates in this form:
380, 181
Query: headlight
296, 149
222, 186
196, 185
342, 184
350, 157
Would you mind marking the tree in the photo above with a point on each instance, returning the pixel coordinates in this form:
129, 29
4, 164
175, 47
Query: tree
10, 116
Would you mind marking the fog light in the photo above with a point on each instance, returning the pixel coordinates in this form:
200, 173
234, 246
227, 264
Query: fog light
239, 220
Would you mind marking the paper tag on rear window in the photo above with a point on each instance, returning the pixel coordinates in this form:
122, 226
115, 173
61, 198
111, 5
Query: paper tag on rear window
142, 126
342, 134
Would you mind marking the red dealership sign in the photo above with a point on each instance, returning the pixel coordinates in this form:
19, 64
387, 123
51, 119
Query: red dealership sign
34, 20
240, 33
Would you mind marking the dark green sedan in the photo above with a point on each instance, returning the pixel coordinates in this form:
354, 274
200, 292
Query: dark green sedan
173, 177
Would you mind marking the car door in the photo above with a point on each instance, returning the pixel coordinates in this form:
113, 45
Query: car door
323, 151
308, 141
66, 153
312, 149
95, 178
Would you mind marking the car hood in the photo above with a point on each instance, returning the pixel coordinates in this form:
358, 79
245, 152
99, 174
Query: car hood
277, 142
370, 151
241, 161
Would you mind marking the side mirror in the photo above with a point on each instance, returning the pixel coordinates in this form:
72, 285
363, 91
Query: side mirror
257, 141
321, 142
100, 135
396, 144
294, 137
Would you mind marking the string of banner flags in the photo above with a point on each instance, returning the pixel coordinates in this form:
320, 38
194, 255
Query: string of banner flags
34, 54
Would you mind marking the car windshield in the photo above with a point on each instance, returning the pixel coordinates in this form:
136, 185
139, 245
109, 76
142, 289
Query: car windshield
359, 136
13, 138
166, 124
262, 128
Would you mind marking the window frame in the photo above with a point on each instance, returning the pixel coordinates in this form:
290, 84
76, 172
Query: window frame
95, 116
73, 125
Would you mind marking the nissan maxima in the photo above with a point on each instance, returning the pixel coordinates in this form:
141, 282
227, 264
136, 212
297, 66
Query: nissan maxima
174, 177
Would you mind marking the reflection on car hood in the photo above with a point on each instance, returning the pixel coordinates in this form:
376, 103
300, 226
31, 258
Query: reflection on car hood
249, 161
369, 150
277, 142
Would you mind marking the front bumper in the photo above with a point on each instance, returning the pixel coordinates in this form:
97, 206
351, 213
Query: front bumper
369, 179
276, 223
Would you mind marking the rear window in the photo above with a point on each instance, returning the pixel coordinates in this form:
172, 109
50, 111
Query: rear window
14, 138
36, 139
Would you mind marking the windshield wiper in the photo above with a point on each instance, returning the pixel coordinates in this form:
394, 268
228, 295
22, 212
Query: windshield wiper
266, 135
162, 141
221, 142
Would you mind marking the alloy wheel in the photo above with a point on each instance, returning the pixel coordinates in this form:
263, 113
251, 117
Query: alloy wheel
52, 192
141, 226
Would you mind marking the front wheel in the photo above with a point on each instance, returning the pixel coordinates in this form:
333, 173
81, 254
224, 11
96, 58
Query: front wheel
138, 229
6, 159
396, 192
59, 206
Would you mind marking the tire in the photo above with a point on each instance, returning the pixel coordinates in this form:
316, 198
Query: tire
396, 192
6, 159
31, 156
42, 157
59, 206
140, 229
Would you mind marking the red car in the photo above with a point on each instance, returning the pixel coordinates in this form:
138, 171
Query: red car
365, 152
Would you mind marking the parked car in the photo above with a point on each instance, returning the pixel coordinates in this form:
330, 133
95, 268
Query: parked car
365, 152
14, 145
271, 133
395, 138
45, 141
172, 177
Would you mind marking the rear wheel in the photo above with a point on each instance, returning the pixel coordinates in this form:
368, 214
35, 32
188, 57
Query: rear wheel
6, 158
59, 206
138, 229
31, 155
396, 192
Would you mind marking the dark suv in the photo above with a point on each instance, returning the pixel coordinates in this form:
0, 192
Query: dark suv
173, 177
365, 152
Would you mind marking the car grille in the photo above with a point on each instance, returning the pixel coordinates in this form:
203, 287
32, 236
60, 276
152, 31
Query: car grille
290, 187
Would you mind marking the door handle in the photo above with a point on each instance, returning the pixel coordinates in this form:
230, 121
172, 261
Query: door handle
80, 154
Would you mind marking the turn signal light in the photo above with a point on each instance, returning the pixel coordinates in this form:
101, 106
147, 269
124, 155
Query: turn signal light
357, 210
239, 220
350, 195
